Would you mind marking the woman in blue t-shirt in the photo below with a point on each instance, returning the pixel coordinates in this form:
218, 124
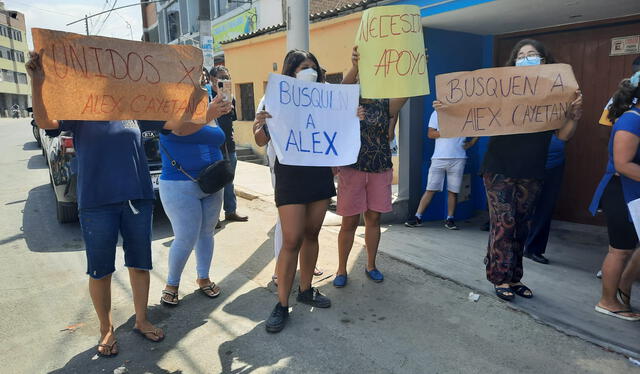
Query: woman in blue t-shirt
115, 197
626, 151
620, 186
193, 213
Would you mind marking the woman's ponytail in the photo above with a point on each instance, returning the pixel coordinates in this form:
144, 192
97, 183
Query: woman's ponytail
622, 99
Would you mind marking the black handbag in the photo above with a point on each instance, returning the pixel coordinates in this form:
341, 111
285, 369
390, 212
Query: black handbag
213, 177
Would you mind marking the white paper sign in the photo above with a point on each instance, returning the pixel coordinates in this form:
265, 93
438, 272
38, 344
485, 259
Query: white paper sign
313, 124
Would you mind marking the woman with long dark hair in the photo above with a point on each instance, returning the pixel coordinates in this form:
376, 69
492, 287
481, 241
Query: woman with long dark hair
302, 195
620, 186
513, 171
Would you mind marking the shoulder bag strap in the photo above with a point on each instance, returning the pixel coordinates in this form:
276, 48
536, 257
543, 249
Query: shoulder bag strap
175, 163
226, 152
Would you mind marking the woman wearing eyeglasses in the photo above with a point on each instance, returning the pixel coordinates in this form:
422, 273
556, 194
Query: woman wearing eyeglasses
513, 170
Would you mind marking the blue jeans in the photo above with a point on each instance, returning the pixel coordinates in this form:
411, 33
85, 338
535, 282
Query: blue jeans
100, 228
193, 215
230, 203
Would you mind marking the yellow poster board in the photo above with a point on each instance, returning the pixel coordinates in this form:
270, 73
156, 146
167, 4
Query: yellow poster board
393, 61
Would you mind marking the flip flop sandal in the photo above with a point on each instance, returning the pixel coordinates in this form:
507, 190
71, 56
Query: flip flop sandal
317, 272
110, 348
173, 295
505, 293
617, 313
154, 331
211, 287
521, 290
625, 298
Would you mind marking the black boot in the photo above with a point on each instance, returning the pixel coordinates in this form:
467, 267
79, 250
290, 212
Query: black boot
314, 298
277, 319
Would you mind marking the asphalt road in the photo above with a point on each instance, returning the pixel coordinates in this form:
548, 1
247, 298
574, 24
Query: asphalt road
411, 323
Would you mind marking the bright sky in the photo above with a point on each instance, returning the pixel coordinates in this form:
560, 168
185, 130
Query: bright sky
55, 14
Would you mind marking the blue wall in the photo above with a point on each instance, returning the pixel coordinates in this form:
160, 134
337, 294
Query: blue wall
451, 51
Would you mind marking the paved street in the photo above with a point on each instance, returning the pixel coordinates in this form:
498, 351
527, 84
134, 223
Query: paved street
413, 322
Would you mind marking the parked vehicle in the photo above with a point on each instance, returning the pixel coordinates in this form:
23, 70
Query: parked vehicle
59, 153
34, 128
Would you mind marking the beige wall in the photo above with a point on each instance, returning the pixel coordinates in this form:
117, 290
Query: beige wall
251, 61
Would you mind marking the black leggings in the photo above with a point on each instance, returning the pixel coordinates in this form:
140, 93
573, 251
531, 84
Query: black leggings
622, 233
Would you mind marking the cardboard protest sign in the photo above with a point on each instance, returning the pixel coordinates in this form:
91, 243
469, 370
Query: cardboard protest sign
313, 124
393, 61
507, 100
98, 78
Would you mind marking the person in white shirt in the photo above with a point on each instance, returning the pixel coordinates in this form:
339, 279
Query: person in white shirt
449, 158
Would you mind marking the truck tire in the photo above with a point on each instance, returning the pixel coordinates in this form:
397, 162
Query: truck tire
36, 135
66, 213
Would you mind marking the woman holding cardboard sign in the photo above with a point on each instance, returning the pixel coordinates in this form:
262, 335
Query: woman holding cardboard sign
115, 197
302, 195
513, 170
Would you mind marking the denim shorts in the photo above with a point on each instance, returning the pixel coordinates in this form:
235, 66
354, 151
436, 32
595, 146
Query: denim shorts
100, 228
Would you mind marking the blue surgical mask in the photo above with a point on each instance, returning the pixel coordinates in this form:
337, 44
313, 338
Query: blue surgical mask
529, 61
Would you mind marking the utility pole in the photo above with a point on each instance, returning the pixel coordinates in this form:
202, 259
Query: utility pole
298, 24
86, 24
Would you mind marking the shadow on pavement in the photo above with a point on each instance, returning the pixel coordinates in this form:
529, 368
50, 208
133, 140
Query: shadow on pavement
40, 227
30, 146
247, 356
242, 349
565, 290
193, 311
43, 233
36, 162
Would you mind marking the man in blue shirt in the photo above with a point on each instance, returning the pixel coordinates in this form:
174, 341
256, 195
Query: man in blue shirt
228, 148
536, 243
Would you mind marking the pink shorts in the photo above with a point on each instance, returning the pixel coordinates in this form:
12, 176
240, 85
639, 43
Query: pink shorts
359, 191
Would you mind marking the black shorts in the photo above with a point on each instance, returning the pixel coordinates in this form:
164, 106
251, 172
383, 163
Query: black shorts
622, 233
302, 184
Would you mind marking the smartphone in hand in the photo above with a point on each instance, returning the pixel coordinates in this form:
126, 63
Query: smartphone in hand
224, 89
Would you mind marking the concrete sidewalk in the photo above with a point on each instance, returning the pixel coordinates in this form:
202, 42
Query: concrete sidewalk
413, 322
566, 290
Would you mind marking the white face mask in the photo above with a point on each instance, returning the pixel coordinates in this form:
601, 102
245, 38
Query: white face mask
308, 74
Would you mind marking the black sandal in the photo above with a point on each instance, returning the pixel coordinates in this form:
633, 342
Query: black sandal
212, 290
625, 298
505, 293
108, 347
173, 301
521, 290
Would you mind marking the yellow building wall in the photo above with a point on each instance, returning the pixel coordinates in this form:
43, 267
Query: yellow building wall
251, 61
11, 87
